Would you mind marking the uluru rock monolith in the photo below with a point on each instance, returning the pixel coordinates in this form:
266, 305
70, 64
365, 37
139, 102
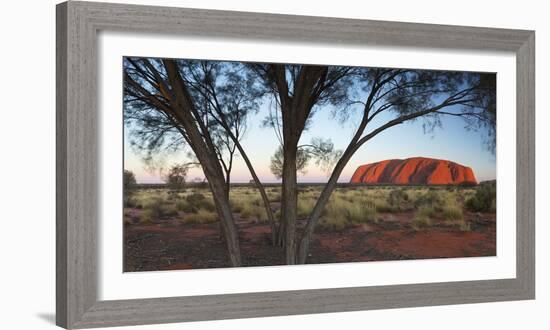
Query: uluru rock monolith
414, 171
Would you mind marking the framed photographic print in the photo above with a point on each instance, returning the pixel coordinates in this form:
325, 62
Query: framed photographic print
215, 165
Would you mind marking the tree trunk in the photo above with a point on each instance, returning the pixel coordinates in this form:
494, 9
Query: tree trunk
289, 201
281, 232
205, 152
228, 224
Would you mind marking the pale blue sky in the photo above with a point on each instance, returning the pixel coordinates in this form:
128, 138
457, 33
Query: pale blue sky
451, 142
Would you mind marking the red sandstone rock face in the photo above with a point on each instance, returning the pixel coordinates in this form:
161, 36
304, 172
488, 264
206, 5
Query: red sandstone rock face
417, 170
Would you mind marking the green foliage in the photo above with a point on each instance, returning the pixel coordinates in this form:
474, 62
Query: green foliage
484, 199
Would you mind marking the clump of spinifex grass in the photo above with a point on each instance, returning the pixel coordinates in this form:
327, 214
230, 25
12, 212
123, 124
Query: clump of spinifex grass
305, 206
248, 204
200, 201
341, 212
201, 217
157, 208
423, 217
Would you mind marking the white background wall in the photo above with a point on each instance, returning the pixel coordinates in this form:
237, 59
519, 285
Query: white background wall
27, 164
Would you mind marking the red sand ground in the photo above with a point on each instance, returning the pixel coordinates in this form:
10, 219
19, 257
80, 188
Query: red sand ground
417, 170
168, 244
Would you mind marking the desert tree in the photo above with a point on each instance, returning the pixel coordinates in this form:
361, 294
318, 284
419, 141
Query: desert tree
389, 96
176, 176
320, 151
162, 110
229, 93
396, 96
296, 92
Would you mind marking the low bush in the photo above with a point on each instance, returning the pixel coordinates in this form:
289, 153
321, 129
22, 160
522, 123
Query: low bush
201, 217
186, 207
253, 211
432, 198
199, 201
452, 213
195, 198
397, 199
305, 206
340, 213
422, 218
484, 199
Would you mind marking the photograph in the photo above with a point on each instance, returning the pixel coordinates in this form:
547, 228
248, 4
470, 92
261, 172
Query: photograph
248, 164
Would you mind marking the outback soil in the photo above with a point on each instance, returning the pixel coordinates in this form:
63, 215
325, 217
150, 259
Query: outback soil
168, 244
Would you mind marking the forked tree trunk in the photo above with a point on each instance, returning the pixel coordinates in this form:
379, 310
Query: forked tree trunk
289, 201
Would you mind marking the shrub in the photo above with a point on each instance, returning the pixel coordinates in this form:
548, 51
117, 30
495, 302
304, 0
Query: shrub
128, 201
420, 221
146, 217
432, 198
199, 201
154, 207
384, 206
422, 218
361, 212
169, 210
452, 213
397, 198
186, 207
157, 208
305, 206
250, 210
236, 205
274, 197
484, 199
195, 198
201, 217
208, 205
340, 213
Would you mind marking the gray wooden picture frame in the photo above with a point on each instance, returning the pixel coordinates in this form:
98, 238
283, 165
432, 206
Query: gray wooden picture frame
78, 24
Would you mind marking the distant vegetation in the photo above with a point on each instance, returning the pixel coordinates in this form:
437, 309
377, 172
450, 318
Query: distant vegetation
348, 206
